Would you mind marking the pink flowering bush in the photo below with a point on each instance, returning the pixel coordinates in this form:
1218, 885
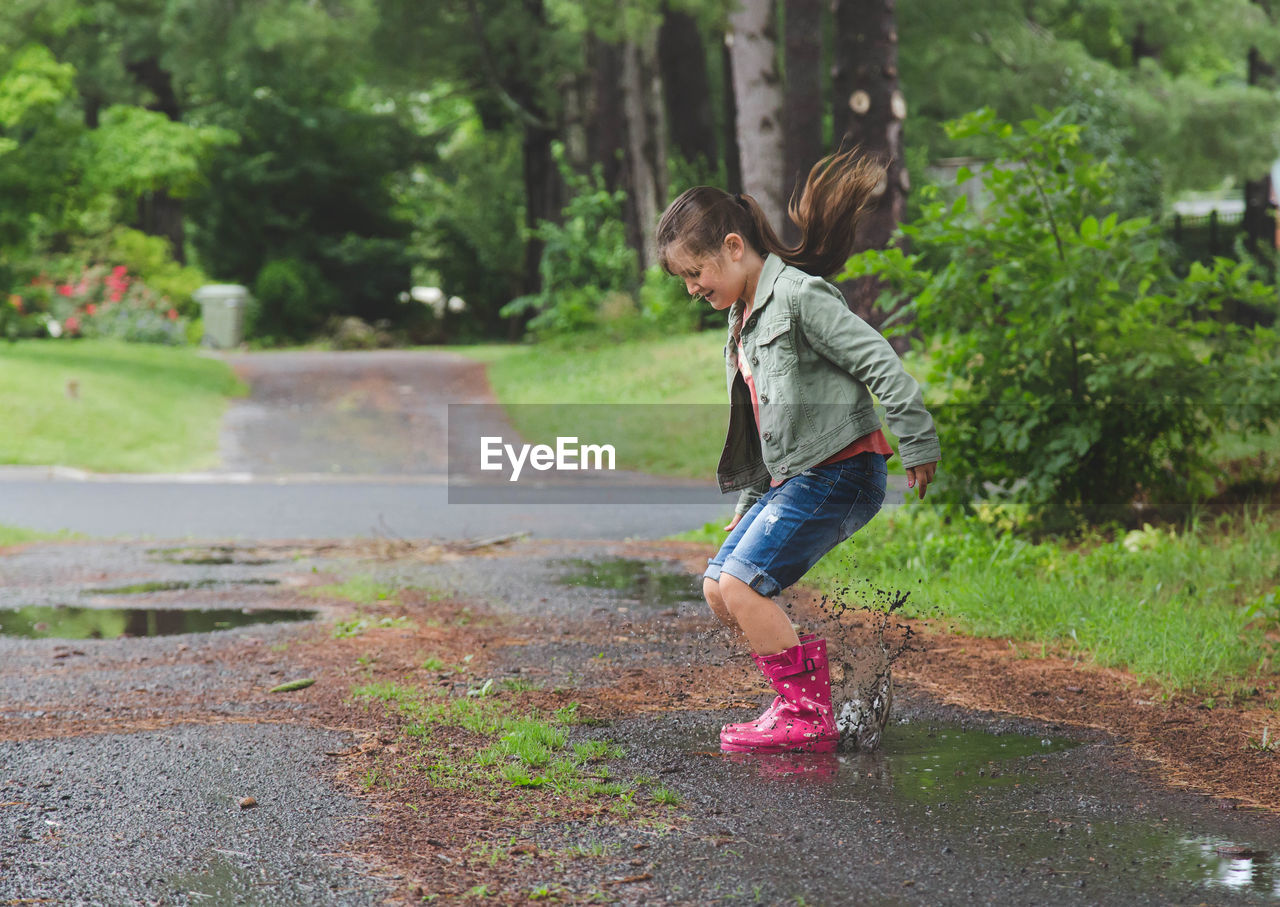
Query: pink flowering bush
102, 301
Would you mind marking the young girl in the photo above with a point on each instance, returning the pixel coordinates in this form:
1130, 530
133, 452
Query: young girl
804, 446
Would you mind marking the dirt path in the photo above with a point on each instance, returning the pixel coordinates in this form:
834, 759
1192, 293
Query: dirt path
123, 762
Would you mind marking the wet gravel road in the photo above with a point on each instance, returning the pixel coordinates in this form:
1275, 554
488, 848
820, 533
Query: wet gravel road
123, 761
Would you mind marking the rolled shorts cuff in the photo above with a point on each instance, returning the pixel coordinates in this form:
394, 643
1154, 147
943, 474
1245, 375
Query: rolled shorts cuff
759, 581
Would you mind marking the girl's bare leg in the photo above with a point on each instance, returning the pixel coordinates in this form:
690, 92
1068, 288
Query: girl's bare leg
711, 591
766, 626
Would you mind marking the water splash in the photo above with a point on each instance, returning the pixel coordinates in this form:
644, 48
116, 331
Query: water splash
864, 639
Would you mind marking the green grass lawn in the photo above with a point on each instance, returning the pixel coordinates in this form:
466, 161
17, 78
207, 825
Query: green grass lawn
111, 407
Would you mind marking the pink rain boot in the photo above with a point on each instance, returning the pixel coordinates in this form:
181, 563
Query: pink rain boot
803, 722
767, 716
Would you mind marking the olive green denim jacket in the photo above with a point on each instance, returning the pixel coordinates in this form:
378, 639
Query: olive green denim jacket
815, 365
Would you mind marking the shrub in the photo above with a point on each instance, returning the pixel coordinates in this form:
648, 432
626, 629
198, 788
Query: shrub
102, 301
289, 299
584, 258
1082, 376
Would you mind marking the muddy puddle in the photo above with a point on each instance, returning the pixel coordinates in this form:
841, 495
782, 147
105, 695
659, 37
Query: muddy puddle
638, 583
1042, 804
150, 588
46, 622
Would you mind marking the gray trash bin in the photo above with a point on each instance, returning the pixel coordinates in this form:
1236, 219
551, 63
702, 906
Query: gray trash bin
222, 309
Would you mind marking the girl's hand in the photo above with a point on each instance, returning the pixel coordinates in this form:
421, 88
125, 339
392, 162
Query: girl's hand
919, 477
737, 518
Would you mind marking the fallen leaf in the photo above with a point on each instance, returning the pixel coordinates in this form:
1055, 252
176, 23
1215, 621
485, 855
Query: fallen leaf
293, 685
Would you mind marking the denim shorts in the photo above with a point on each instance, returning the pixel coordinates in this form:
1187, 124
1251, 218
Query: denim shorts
795, 524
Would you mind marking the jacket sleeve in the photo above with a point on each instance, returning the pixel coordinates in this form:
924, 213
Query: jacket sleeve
748, 496
847, 341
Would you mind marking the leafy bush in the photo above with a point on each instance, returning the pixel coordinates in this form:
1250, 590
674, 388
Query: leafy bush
584, 259
289, 299
1082, 376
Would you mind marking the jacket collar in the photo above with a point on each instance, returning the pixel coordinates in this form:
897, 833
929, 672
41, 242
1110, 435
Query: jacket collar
769, 275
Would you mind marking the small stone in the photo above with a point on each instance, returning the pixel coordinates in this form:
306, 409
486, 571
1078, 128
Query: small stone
248, 803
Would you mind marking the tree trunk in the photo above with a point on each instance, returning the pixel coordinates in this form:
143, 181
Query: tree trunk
869, 112
758, 95
541, 195
606, 122
646, 140
802, 111
686, 89
731, 155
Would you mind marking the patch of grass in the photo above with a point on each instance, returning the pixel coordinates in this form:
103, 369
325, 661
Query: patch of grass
361, 623
1190, 609
13, 535
665, 796
596, 751
362, 588
521, 749
135, 408
519, 684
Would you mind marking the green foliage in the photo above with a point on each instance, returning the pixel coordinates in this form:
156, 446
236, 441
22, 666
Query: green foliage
1081, 377
585, 259
40, 131
1178, 118
135, 151
308, 188
665, 305
465, 201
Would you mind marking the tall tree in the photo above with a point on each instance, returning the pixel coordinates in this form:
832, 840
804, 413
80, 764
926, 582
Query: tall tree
686, 88
646, 138
869, 111
803, 105
1259, 213
757, 92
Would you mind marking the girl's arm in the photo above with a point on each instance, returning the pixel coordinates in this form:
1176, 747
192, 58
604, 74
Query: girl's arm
846, 340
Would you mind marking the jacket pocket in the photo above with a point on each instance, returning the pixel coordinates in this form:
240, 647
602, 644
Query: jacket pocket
773, 347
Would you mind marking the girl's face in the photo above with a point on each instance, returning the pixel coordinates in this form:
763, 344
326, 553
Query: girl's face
720, 279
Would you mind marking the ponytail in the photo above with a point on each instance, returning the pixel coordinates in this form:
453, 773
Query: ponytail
828, 212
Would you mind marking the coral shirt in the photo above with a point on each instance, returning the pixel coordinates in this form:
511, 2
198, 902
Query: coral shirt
875, 442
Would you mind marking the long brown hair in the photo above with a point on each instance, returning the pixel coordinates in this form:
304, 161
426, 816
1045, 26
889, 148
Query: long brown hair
837, 191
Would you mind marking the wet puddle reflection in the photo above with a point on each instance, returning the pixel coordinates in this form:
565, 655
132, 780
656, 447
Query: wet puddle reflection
644, 584
43, 622
1004, 794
